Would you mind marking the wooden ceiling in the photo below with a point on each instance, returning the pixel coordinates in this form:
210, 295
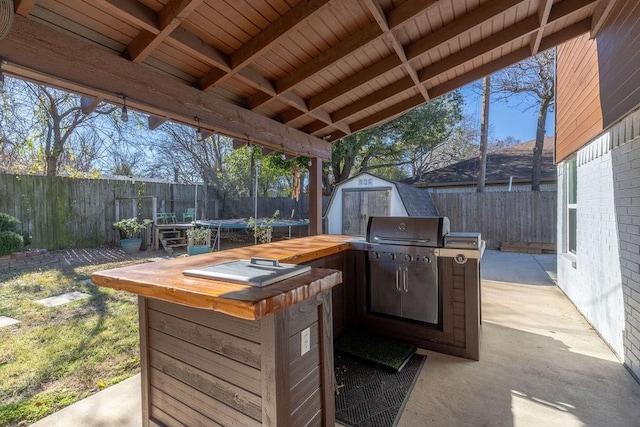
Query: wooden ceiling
293, 75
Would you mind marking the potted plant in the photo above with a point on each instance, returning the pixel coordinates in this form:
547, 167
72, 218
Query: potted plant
198, 241
130, 228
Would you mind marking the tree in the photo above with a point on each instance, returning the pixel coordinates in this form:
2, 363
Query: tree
533, 78
400, 148
48, 131
484, 134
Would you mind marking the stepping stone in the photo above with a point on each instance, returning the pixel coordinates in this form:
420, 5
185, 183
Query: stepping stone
63, 299
87, 282
7, 321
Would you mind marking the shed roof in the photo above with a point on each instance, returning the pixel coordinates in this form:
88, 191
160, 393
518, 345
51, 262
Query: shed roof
515, 161
293, 75
416, 201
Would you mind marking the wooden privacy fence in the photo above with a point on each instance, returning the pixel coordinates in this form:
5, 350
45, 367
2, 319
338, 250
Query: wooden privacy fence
522, 217
64, 212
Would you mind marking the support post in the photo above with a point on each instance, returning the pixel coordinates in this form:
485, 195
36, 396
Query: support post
315, 197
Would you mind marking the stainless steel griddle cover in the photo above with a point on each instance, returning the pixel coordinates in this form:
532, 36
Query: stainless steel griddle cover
255, 272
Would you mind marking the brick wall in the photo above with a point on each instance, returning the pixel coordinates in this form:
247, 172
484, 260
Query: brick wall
626, 169
603, 278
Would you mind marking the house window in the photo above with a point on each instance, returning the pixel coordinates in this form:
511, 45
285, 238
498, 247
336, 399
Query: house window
572, 205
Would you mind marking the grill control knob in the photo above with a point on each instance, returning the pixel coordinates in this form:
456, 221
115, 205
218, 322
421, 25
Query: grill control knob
408, 257
392, 256
426, 259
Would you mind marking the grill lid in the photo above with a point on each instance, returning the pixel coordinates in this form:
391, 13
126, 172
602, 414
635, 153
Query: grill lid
408, 231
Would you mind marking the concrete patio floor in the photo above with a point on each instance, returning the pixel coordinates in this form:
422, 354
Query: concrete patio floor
541, 365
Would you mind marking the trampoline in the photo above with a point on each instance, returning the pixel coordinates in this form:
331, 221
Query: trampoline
243, 224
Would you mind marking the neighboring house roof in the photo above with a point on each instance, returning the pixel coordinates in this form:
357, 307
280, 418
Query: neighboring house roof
417, 202
515, 161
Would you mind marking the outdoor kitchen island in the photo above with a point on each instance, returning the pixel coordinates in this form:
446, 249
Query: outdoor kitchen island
219, 352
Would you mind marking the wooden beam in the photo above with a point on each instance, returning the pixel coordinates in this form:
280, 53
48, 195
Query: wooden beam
422, 46
544, 10
169, 18
368, 101
373, 99
23, 7
345, 47
283, 25
380, 17
567, 7
408, 10
315, 197
153, 122
548, 42
268, 37
62, 60
495, 41
388, 113
600, 16
88, 104
132, 12
189, 43
352, 83
566, 34
372, 32
480, 72
458, 27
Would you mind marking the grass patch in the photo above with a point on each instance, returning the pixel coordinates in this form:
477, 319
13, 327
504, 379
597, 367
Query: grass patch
60, 355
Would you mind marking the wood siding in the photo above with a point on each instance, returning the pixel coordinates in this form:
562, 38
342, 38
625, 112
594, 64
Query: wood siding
522, 217
619, 60
598, 81
579, 115
200, 367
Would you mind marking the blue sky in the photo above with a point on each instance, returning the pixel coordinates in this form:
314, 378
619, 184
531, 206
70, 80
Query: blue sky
505, 119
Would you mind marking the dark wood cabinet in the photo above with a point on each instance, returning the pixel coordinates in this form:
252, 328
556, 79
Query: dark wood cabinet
459, 327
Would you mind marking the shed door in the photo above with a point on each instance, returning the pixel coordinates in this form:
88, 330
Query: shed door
358, 205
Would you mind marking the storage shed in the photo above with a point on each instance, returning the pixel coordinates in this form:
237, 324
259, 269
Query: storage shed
356, 199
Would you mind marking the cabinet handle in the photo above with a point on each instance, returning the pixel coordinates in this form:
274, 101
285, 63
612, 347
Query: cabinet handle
405, 274
398, 279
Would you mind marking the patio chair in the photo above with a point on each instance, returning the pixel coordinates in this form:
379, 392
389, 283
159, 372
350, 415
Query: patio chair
166, 217
190, 213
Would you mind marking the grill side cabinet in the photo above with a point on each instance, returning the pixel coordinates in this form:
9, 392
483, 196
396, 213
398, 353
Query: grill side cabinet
459, 327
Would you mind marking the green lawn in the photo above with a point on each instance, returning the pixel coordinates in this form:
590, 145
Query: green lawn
60, 355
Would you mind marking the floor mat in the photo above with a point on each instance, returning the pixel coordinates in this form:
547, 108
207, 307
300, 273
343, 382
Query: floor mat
374, 348
369, 395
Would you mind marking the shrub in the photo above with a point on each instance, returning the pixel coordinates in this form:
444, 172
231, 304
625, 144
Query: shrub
198, 236
10, 242
8, 223
130, 228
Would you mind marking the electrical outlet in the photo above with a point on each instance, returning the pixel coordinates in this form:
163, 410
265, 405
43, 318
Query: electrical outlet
305, 344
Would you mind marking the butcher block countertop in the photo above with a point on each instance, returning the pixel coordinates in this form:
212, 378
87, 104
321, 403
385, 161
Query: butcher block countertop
164, 279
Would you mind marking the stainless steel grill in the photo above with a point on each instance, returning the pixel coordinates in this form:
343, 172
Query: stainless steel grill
403, 269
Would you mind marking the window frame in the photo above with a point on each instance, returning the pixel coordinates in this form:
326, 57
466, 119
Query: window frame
571, 207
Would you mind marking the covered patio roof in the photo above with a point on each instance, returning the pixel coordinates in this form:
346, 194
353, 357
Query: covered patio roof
291, 75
